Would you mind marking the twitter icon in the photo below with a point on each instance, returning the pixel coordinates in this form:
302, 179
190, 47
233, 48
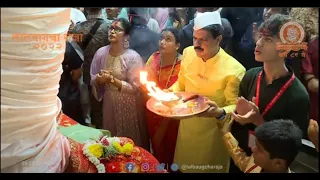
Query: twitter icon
160, 167
174, 167
129, 167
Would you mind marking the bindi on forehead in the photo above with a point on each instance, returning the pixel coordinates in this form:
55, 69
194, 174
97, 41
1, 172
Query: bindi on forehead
116, 24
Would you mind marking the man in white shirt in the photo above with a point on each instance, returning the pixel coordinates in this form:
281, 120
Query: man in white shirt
77, 16
152, 23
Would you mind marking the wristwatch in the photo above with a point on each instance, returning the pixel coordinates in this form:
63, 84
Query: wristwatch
223, 115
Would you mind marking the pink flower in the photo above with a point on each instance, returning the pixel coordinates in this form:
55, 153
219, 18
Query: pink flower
105, 142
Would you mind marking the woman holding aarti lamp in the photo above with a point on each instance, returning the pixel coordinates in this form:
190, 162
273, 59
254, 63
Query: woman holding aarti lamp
163, 67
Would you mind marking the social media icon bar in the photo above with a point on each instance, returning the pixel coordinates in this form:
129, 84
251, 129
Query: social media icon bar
145, 166
129, 167
114, 167
174, 167
160, 167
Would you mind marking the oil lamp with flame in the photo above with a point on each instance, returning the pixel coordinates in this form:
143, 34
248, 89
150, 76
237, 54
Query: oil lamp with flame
168, 99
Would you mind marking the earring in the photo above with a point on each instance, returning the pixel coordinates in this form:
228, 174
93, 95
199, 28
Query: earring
126, 44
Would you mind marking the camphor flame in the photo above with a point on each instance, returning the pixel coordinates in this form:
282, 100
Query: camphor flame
154, 91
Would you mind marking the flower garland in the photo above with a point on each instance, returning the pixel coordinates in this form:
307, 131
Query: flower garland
93, 151
106, 148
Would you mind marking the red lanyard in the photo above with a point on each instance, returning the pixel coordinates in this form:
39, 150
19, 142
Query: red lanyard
252, 168
276, 97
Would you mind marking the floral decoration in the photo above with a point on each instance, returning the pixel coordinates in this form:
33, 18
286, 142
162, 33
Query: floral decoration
106, 149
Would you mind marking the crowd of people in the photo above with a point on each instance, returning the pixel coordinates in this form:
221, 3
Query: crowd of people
262, 104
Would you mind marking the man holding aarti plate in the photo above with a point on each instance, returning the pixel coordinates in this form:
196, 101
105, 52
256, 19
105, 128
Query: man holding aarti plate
208, 71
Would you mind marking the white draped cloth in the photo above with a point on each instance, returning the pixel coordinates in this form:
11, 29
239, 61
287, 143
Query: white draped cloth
30, 141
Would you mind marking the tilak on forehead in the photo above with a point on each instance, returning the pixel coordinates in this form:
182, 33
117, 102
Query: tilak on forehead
265, 32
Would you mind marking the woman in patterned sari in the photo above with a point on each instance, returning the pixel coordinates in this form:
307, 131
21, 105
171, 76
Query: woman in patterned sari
115, 79
163, 67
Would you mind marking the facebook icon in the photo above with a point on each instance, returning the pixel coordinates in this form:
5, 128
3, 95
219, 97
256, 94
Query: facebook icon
129, 167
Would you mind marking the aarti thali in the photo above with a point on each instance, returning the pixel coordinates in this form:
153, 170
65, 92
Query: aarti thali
187, 105
177, 105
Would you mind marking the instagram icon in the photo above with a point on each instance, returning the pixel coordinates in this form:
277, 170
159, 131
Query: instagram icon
145, 166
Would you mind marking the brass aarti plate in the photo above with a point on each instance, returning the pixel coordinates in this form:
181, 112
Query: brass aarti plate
181, 109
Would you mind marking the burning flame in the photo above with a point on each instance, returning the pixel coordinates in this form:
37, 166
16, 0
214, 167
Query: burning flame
154, 91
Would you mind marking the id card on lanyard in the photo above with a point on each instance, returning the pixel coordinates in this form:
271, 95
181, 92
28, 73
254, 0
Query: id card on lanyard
251, 139
251, 136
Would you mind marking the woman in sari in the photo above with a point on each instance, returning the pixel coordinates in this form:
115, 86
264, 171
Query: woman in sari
115, 79
163, 68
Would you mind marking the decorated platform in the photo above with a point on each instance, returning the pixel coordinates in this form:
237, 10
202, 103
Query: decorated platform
94, 151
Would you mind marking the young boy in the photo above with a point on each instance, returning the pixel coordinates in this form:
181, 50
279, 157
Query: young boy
276, 146
272, 91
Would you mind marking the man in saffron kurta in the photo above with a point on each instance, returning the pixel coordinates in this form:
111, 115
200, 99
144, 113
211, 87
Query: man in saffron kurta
206, 69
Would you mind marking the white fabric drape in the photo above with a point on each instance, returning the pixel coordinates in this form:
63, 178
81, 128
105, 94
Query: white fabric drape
30, 79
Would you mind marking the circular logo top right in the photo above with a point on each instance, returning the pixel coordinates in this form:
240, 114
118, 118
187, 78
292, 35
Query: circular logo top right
292, 33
